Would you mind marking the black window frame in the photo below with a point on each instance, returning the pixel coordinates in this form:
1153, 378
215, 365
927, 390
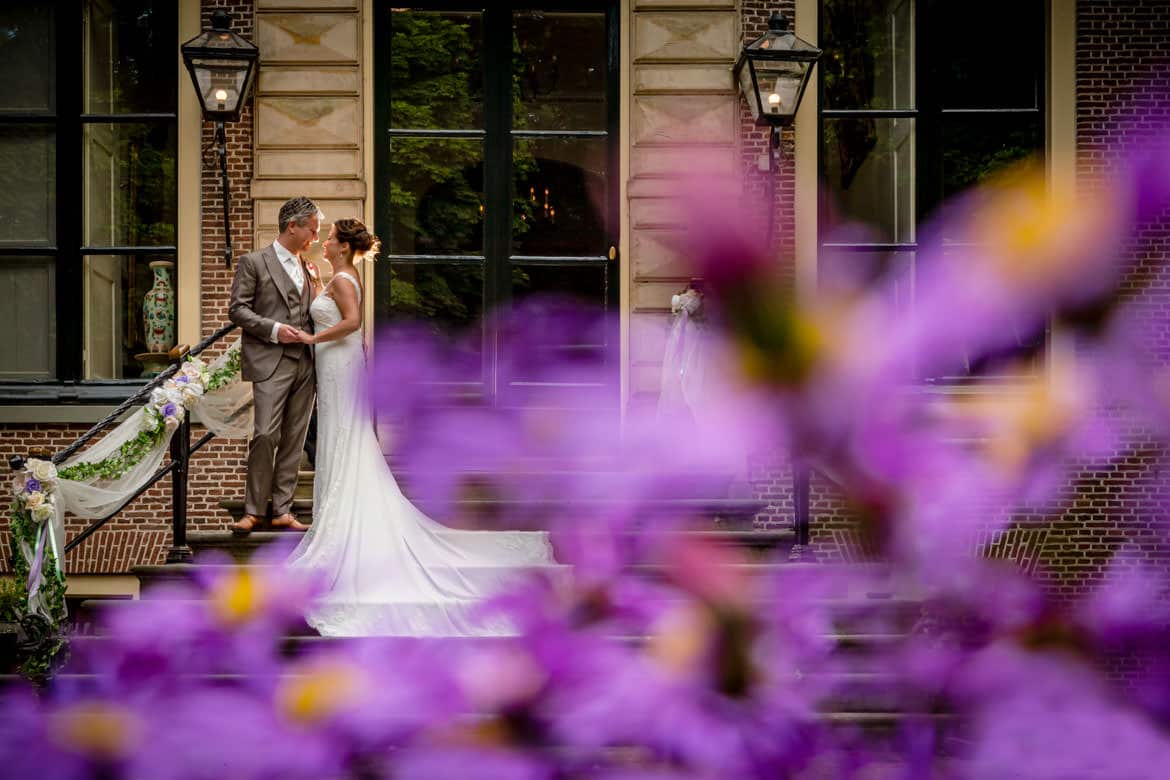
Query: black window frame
69, 119
929, 115
498, 137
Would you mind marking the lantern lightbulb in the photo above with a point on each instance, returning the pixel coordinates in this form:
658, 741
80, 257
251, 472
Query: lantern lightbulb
221, 96
774, 103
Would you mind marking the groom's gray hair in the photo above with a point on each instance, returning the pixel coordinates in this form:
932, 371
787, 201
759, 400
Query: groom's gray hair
299, 210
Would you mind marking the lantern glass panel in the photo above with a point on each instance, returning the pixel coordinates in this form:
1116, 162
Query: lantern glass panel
779, 84
221, 82
748, 90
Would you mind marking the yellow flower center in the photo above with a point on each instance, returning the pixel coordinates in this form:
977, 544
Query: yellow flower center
319, 693
680, 638
1034, 234
95, 729
237, 598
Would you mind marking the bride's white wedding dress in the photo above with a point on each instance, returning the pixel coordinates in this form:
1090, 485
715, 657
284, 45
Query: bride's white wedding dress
388, 569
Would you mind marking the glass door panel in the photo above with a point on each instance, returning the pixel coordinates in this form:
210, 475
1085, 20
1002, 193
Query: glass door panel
559, 72
494, 162
560, 192
435, 196
436, 69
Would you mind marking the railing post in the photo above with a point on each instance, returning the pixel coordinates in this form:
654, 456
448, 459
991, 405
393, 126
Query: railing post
801, 490
180, 454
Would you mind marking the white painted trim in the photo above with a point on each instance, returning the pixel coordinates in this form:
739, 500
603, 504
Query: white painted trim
807, 185
625, 98
366, 66
189, 230
1061, 139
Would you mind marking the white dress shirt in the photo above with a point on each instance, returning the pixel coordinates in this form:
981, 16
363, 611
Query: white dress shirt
292, 266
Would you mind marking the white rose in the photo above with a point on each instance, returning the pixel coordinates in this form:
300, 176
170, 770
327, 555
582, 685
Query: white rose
191, 395
172, 423
34, 500
43, 471
158, 397
42, 512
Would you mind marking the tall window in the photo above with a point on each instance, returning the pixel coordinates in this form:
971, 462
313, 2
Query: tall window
920, 99
87, 189
497, 163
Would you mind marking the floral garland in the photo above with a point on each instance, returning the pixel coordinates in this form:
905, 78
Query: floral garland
35, 557
165, 410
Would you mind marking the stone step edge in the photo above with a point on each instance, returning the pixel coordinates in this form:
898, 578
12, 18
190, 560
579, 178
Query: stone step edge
739, 505
749, 537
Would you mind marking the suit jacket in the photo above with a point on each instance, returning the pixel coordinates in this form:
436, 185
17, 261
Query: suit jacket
263, 294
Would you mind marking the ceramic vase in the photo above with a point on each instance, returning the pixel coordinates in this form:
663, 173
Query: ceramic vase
158, 309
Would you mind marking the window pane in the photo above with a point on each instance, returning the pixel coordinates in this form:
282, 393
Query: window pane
560, 356
436, 196
977, 147
129, 184
890, 274
583, 284
560, 71
999, 67
869, 173
28, 185
129, 322
28, 318
130, 63
869, 53
1020, 348
559, 197
448, 300
436, 69
27, 58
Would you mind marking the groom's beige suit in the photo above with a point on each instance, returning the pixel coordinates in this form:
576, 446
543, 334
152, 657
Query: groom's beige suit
265, 295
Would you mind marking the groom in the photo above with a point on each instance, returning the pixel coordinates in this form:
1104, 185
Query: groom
271, 293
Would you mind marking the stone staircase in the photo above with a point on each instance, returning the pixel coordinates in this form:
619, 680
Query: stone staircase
866, 625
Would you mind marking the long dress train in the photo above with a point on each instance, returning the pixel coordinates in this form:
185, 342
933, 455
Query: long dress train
388, 569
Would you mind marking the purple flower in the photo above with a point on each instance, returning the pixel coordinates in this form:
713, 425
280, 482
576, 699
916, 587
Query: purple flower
169, 409
182, 379
32, 485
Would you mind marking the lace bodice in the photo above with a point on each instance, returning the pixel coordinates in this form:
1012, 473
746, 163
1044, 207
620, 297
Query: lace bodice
324, 309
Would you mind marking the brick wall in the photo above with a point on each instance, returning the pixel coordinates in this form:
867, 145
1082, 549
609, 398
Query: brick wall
1123, 94
217, 471
754, 142
769, 477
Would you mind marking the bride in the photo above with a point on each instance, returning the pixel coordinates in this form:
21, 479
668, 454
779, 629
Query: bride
387, 569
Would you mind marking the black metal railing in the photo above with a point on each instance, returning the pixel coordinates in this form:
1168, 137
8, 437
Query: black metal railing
181, 452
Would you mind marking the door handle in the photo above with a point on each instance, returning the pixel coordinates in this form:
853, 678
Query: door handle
613, 252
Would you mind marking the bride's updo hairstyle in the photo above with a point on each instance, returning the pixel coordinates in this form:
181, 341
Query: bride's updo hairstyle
361, 241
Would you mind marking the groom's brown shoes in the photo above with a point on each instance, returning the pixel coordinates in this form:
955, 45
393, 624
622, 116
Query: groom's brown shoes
289, 522
245, 525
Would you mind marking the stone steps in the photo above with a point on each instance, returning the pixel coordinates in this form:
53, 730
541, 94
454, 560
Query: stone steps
849, 690
754, 542
473, 512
